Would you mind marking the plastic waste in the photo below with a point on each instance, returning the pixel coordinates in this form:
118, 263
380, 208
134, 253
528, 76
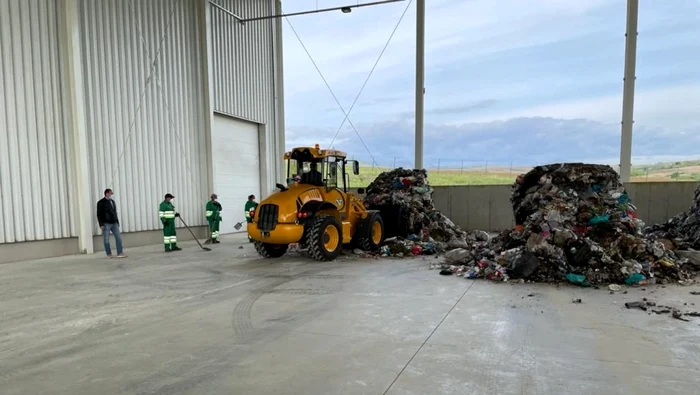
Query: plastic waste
614, 287
472, 273
635, 278
459, 255
665, 262
577, 279
599, 219
385, 251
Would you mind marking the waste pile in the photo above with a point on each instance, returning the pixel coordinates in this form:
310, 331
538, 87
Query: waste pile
683, 229
405, 200
574, 222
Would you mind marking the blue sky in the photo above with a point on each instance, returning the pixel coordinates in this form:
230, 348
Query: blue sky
506, 81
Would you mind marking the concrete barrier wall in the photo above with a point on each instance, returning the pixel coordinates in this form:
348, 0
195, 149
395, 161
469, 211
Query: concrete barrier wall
31, 250
487, 207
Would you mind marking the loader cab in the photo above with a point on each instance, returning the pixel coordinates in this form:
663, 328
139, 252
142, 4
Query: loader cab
319, 168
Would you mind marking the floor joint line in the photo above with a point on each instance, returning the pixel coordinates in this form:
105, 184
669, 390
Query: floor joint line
429, 336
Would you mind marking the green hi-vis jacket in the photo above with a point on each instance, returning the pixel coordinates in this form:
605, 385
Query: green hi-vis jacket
213, 210
249, 206
167, 211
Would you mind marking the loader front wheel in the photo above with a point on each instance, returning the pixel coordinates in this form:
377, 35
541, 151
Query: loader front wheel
267, 250
324, 238
373, 233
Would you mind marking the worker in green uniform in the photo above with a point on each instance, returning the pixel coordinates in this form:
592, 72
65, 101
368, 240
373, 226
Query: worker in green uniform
213, 209
251, 204
167, 216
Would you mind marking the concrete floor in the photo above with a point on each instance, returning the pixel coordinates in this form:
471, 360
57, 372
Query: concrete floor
226, 322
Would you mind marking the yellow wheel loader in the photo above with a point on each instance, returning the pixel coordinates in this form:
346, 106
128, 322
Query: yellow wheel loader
315, 209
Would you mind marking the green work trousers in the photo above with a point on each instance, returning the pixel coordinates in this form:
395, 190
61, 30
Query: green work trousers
169, 235
214, 228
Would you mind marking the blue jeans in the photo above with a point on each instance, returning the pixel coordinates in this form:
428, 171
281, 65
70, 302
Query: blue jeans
114, 228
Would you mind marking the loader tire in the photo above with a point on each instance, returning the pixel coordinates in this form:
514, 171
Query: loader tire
324, 238
372, 235
267, 250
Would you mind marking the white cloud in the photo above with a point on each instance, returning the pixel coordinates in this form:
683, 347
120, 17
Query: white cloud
349, 44
675, 106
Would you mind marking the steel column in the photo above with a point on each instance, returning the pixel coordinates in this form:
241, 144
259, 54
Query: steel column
628, 91
420, 80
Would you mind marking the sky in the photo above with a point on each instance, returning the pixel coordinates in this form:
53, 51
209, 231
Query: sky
506, 82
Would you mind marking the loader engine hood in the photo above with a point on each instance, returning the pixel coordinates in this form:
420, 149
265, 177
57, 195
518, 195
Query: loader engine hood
290, 201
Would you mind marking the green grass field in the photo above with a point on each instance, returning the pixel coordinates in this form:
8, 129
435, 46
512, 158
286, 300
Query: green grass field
442, 178
659, 172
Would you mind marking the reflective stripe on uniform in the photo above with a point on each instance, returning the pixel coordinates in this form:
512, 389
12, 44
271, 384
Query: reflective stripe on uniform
166, 240
161, 214
247, 214
168, 214
209, 213
173, 239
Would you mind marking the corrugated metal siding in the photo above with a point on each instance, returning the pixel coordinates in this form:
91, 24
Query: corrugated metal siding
243, 66
35, 147
146, 130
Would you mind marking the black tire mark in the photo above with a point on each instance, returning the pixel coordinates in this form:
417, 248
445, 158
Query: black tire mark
242, 322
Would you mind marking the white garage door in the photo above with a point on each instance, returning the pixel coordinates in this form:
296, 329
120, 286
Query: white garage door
236, 160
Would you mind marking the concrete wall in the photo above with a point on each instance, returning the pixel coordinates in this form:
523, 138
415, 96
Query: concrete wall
487, 207
26, 251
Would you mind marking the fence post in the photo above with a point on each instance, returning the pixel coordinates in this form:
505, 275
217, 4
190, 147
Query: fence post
438, 165
486, 167
510, 173
461, 169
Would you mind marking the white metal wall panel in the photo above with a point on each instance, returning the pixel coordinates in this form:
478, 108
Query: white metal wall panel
236, 162
243, 67
145, 107
35, 145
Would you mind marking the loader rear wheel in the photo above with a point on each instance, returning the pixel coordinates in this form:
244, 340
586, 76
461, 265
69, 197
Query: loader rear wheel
373, 233
324, 238
267, 250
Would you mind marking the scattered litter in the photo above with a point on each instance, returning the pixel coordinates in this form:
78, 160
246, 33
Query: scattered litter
614, 287
576, 279
639, 305
576, 301
677, 315
695, 292
635, 278
240, 248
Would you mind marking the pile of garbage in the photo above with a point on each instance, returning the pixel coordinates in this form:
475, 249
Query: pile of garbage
683, 229
405, 200
574, 222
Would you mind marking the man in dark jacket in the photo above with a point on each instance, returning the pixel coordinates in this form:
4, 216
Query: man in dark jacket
109, 222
